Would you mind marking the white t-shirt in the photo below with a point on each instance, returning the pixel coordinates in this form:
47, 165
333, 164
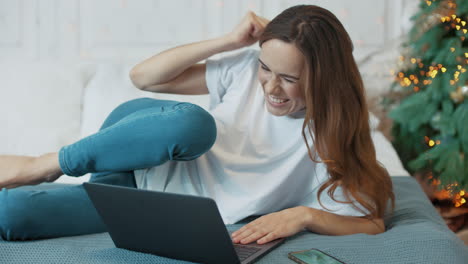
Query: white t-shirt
259, 163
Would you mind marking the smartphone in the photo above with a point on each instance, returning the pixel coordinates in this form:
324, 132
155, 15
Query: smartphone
313, 256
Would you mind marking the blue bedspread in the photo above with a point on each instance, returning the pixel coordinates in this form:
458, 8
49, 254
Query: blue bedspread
415, 234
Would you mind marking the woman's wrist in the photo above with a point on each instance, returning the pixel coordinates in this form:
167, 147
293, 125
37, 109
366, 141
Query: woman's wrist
228, 43
310, 217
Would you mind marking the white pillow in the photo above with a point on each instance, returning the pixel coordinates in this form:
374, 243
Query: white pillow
105, 91
373, 121
40, 106
387, 155
111, 86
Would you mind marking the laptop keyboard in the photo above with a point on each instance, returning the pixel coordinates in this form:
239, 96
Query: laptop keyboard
245, 251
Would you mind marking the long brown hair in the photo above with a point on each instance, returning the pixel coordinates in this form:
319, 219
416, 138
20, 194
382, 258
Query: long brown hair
337, 118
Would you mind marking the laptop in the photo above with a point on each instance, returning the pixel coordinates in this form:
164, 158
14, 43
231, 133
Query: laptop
184, 227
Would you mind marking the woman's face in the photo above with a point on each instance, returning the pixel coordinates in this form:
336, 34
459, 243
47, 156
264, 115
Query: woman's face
281, 73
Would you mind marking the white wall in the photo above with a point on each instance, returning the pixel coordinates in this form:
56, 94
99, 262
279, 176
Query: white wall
122, 30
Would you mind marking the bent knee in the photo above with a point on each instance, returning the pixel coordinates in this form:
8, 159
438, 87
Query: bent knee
198, 128
129, 107
132, 106
193, 131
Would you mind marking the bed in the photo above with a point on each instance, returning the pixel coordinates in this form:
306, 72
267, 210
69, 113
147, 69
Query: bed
86, 94
415, 234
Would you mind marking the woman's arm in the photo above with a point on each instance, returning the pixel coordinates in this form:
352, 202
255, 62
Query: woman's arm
327, 223
169, 65
165, 66
293, 220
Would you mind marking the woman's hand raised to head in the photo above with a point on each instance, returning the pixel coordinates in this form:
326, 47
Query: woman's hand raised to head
177, 65
247, 31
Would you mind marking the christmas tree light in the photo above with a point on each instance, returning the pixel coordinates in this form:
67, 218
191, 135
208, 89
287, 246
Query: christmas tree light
428, 102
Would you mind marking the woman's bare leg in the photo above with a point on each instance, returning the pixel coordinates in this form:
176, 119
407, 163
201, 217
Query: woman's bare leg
26, 170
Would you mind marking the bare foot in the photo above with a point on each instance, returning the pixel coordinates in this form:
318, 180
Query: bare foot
25, 170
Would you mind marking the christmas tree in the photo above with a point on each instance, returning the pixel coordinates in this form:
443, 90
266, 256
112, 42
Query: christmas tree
429, 98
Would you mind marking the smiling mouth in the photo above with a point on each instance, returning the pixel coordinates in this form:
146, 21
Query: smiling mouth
277, 101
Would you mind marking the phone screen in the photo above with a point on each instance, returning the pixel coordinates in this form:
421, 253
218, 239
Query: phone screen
314, 256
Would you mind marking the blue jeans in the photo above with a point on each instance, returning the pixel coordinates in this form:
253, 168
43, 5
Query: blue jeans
140, 133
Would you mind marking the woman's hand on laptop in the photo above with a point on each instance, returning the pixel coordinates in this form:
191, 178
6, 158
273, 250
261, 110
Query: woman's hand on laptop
272, 226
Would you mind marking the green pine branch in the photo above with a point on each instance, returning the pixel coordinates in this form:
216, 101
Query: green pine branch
430, 128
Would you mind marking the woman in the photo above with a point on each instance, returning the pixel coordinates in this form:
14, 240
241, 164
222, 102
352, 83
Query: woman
285, 124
